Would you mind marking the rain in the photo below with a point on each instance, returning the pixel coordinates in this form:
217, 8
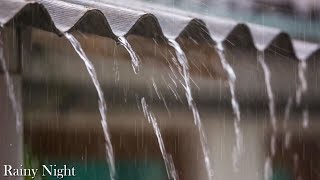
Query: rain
150, 89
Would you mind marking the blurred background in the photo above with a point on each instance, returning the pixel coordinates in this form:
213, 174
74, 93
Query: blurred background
62, 120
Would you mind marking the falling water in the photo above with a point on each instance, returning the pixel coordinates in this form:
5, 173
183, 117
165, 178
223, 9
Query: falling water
235, 105
285, 122
160, 96
305, 118
171, 171
273, 120
9, 82
302, 89
182, 60
303, 86
102, 104
268, 169
267, 77
134, 59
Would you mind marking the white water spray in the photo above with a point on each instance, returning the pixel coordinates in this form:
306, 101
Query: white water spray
102, 104
182, 60
237, 150
134, 59
171, 170
10, 86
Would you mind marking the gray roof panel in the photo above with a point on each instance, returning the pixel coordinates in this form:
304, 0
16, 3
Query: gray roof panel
110, 20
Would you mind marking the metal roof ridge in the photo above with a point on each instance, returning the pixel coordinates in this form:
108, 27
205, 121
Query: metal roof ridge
111, 21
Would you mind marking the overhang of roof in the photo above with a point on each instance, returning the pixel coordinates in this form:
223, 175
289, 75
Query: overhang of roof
111, 20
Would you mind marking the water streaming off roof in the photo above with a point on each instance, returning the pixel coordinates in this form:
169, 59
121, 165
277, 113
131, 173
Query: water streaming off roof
171, 170
102, 104
184, 71
196, 93
237, 150
15, 103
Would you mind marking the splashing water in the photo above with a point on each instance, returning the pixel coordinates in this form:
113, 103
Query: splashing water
182, 60
171, 171
102, 104
134, 59
235, 105
9, 82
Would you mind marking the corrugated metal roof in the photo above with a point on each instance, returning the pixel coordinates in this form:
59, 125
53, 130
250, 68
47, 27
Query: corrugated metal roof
111, 20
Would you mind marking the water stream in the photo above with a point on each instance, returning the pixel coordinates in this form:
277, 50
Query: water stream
287, 137
305, 118
102, 103
268, 171
10, 86
171, 170
301, 90
184, 71
160, 96
237, 150
134, 59
267, 77
273, 121
302, 86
